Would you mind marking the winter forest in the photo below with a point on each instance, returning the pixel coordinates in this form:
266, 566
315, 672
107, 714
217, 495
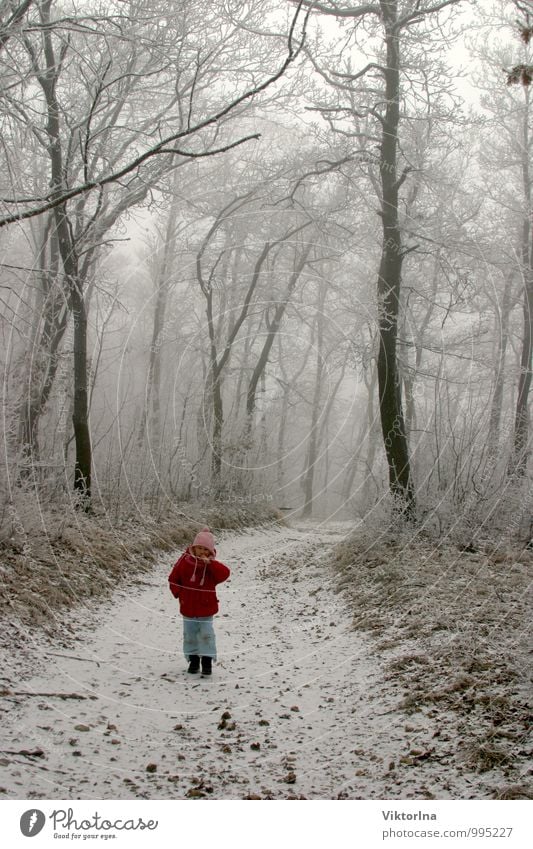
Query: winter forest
271, 261
253, 249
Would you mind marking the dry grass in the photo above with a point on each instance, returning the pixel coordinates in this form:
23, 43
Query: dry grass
454, 629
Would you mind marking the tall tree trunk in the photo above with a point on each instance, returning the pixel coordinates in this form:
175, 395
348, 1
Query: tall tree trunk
389, 279
323, 437
288, 390
218, 363
152, 407
80, 419
273, 327
52, 316
502, 337
521, 428
214, 390
312, 449
67, 249
282, 428
366, 430
372, 429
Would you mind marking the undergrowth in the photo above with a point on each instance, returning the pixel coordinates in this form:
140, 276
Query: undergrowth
453, 627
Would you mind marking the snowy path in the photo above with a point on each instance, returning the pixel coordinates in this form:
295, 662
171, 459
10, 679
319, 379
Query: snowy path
296, 706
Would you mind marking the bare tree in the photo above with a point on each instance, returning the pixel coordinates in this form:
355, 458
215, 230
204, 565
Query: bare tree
188, 129
522, 417
11, 18
83, 150
395, 21
206, 281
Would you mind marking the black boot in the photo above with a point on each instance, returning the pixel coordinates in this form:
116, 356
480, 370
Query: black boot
194, 663
206, 666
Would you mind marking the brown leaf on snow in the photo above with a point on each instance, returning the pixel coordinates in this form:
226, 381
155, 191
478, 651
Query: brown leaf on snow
195, 793
27, 753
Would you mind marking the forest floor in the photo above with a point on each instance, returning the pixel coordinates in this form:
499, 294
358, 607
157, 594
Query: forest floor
325, 687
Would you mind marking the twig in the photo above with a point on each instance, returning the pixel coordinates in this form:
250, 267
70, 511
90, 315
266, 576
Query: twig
74, 657
37, 753
8, 693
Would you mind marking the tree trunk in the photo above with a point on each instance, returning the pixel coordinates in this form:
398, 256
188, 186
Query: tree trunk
214, 389
82, 470
69, 258
389, 281
502, 337
372, 429
52, 315
282, 427
521, 428
273, 329
312, 450
288, 390
152, 407
366, 430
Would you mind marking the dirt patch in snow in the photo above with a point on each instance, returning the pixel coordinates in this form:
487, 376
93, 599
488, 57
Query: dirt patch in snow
453, 628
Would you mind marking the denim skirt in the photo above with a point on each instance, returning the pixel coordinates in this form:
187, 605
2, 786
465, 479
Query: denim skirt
199, 637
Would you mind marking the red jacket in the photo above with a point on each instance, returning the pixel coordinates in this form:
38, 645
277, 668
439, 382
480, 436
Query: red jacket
193, 582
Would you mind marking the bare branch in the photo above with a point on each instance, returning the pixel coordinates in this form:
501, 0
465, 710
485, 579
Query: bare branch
56, 198
7, 29
341, 11
421, 12
190, 155
361, 73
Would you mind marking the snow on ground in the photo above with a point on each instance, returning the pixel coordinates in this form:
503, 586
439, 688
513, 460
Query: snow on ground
299, 705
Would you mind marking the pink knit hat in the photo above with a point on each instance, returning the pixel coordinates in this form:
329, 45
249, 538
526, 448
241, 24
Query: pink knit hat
206, 538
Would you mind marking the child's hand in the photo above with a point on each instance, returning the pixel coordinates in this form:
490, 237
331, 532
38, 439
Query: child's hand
202, 553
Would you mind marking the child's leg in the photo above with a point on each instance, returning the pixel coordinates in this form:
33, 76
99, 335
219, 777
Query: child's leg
191, 644
206, 638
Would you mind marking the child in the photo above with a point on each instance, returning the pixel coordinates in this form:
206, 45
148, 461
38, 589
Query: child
193, 580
